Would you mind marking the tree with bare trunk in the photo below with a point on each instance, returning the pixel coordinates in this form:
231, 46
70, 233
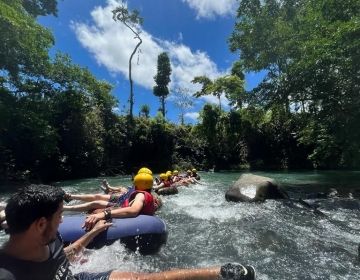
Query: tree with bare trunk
183, 100
131, 20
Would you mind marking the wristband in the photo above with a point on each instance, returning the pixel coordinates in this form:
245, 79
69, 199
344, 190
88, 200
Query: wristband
107, 214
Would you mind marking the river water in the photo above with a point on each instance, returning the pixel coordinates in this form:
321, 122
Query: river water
281, 241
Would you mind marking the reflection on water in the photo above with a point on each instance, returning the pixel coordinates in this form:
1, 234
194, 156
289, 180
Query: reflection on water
282, 242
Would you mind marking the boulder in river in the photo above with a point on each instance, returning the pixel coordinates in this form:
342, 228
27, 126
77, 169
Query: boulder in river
265, 188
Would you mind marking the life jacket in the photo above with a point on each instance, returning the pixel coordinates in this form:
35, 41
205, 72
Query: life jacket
167, 183
148, 207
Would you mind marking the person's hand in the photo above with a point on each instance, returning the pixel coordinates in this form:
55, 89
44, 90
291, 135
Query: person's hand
101, 226
91, 220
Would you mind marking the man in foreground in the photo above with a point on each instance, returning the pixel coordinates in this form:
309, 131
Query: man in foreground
35, 251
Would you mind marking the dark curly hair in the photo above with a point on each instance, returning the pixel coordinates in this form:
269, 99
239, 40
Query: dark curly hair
31, 203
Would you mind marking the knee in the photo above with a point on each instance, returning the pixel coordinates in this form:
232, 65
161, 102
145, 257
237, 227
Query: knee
98, 197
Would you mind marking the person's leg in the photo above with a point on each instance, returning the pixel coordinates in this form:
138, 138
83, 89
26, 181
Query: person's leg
99, 204
89, 197
212, 273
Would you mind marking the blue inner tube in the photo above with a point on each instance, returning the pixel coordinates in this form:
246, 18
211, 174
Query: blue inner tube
145, 234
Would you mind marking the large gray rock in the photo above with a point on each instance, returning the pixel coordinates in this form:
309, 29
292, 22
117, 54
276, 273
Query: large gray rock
266, 188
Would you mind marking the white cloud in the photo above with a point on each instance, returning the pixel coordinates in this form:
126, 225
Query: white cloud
192, 115
111, 43
211, 8
214, 100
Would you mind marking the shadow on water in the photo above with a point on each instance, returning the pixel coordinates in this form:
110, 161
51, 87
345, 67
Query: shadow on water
282, 242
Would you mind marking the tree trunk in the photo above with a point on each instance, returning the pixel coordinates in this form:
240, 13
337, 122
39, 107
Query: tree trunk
131, 98
162, 98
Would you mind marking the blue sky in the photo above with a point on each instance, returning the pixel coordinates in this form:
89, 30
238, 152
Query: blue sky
193, 32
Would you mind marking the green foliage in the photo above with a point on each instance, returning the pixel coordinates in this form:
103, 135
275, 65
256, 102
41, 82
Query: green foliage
57, 119
162, 79
144, 111
129, 18
238, 70
24, 43
40, 7
311, 52
230, 85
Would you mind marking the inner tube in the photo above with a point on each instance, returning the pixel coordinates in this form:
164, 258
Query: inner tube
144, 234
168, 191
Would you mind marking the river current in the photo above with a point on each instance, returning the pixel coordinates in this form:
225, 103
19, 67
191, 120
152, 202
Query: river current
280, 240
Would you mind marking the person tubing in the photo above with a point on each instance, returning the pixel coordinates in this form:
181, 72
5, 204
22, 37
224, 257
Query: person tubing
145, 170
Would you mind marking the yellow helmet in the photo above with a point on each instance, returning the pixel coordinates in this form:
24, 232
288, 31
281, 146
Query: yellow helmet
194, 170
175, 172
145, 170
163, 176
169, 173
188, 171
143, 181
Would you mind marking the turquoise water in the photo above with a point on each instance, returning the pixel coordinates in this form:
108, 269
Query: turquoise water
282, 242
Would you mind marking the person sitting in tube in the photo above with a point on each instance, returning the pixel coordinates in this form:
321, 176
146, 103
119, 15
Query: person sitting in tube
176, 178
35, 251
140, 201
189, 178
164, 182
113, 195
194, 174
101, 201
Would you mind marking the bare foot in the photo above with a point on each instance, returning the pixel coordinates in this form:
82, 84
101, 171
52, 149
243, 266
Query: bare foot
105, 186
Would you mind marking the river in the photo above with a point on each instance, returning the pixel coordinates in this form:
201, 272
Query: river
280, 241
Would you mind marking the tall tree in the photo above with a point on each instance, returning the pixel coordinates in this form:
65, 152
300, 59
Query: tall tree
310, 50
184, 101
162, 79
131, 20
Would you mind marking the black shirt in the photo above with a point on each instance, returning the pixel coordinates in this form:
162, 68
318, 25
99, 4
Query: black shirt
55, 268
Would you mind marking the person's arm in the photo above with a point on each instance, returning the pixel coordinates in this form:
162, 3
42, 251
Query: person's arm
227, 271
73, 249
158, 187
212, 273
127, 212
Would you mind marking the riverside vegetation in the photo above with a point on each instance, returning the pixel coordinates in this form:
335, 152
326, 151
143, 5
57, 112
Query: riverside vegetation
57, 119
